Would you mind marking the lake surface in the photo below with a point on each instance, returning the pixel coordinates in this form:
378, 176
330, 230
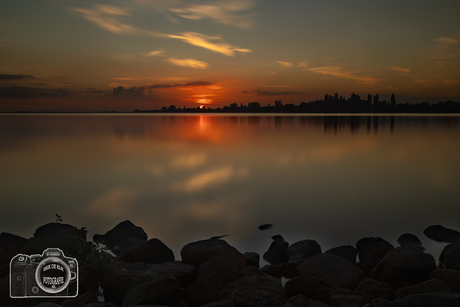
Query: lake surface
183, 178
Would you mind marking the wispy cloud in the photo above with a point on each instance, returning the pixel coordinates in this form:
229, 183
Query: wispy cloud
338, 71
303, 65
213, 43
268, 93
34, 92
445, 40
284, 64
6, 77
107, 17
188, 63
155, 53
401, 70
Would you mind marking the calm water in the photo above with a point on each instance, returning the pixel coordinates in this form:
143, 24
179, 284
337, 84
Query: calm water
334, 179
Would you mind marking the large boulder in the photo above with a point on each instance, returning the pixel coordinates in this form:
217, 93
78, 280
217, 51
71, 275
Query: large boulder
409, 240
370, 251
124, 233
405, 265
346, 251
158, 291
303, 249
450, 277
347, 301
59, 228
213, 275
442, 234
252, 259
309, 286
371, 288
276, 253
428, 300
255, 291
151, 251
8, 240
429, 286
332, 270
450, 256
198, 252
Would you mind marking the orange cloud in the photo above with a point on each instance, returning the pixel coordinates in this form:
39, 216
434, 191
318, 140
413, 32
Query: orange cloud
338, 71
205, 41
284, 64
188, 63
445, 40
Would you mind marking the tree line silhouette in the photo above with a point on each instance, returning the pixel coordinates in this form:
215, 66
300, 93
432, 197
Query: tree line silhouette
330, 104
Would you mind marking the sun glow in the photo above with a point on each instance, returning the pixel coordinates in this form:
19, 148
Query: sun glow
204, 101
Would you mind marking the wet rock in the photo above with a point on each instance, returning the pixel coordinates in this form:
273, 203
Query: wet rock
213, 275
347, 301
332, 270
371, 251
59, 228
405, 265
255, 291
252, 259
450, 256
450, 277
156, 291
8, 240
303, 249
442, 234
151, 251
428, 300
276, 253
198, 252
309, 286
345, 251
371, 288
120, 234
409, 240
70, 246
429, 286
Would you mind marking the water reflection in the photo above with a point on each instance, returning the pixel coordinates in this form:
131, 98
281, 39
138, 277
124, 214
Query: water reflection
182, 178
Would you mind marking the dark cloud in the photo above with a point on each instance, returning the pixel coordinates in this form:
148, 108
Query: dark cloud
141, 90
5, 77
93, 91
34, 92
268, 93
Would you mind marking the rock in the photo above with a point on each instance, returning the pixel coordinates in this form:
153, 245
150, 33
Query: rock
276, 253
309, 286
450, 277
303, 249
83, 298
151, 251
88, 278
380, 302
272, 270
298, 300
339, 291
346, 251
255, 291
405, 265
409, 240
450, 256
429, 286
371, 251
59, 228
70, 246
156, 291
8, 240
222, 303
47, 304
442, 234
286, 269
252, 259
332, 270
119, 276
347, 301
371, 288
121, 233
198, 252
252, 270
428, 300
213, 275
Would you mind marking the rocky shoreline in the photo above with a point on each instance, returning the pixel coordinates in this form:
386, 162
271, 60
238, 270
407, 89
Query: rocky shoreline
123, 267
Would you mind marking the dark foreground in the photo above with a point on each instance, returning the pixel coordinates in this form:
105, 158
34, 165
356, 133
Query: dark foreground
125, 268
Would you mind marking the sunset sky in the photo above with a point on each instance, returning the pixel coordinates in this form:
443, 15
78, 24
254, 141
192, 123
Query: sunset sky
69, 55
